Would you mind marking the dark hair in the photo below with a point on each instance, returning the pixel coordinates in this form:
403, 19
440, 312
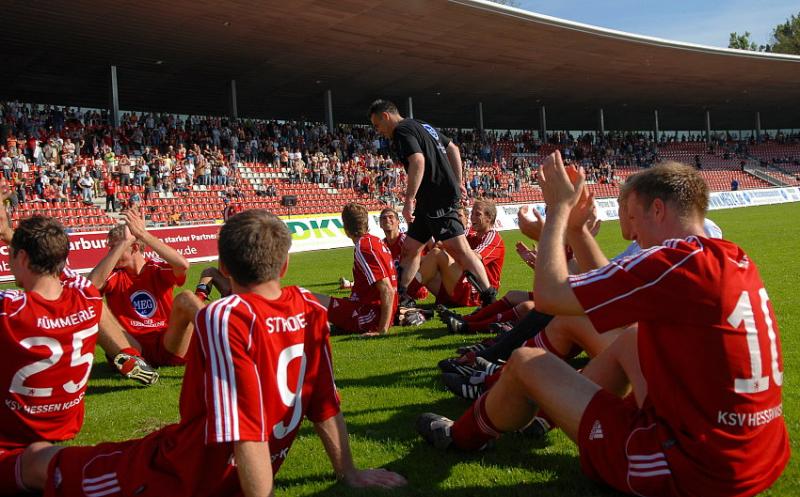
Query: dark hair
355, 219
380, 106
389, 209
46, 243
253, 246
673, 182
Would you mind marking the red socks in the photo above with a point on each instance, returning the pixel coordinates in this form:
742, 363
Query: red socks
490, 311
474, 429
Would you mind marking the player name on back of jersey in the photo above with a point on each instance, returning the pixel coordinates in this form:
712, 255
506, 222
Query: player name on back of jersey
291, 324
49, 323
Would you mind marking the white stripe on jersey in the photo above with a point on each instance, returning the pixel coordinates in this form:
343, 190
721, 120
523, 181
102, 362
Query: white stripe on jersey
648, 285
362, 263
14, 296
224, 388
607, 271
309, 297
490, 236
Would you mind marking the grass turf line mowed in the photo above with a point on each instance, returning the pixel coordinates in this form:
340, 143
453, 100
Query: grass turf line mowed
386, 382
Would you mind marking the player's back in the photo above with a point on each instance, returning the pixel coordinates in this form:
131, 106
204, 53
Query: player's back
48, 349
372, 261
712, 359
256, 368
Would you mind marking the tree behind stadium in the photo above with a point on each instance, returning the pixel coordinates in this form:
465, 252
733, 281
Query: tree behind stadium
785, 39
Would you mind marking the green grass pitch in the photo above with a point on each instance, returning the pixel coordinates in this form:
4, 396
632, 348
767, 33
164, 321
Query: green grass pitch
386, 382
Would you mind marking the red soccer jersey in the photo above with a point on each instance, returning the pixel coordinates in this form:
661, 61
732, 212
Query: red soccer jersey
372, 262
710, 351
48, 348
142, 303
255, 369
492, 251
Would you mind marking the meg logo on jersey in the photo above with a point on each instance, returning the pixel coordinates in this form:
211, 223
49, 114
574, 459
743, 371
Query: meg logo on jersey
144, 303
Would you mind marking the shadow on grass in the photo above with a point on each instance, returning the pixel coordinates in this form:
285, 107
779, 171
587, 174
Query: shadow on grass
417, 378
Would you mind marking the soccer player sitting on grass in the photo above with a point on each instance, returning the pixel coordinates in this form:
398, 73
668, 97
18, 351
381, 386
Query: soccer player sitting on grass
690, 403
372, 304
259, 363
48, 332
139, 289
442, 275
390, 224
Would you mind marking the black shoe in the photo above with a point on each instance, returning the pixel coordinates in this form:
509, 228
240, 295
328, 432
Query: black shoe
455, 325
499, 328
435, 429
469, 388
445, 312
477, 347
405, 300
537, 429
486, 366
488, 296
135, 368
453, 366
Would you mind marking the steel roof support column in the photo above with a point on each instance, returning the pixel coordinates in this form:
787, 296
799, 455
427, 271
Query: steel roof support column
655, 116
542, 124
329, 110
114, 98
708, 126
758, 127
601, 124
233, 109
480, 116
410, 107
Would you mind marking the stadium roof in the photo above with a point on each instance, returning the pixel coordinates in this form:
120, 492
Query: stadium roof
178, 56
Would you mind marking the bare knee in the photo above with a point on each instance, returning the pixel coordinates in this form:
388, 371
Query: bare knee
187, 302
521, 360
35, 461
525, 307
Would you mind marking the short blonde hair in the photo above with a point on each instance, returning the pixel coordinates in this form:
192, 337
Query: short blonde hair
672, 182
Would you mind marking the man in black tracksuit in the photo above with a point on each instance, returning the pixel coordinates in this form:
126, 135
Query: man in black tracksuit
434, 192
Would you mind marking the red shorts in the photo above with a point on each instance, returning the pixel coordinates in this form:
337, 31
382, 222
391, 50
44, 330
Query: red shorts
624, 446
153, 466
351, 316
10, 475
464, 295
155, 353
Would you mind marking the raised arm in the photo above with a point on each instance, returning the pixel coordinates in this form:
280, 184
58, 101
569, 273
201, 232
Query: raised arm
6, 233
333, 433
552, 291
580, 236
137, 228
100, 273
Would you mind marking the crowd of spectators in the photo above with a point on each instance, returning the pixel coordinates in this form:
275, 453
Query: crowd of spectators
53, 154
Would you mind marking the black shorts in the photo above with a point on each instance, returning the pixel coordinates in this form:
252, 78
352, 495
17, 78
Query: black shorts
441, 224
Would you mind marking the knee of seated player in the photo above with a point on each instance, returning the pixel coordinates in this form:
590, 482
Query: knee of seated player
209, 272
187, 303
522, 361
525, 307
35, 461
